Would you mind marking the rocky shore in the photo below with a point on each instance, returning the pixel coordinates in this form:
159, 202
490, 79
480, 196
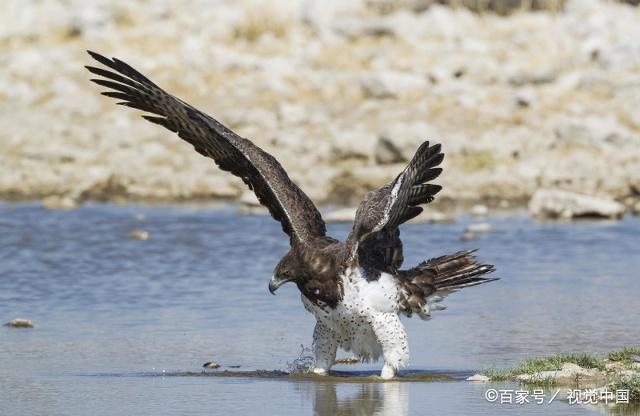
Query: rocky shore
341, 93
617, 370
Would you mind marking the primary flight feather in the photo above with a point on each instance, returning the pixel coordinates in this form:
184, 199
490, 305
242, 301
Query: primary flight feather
355, 289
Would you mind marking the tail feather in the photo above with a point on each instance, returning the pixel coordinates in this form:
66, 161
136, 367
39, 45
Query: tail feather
458, 270
426, 284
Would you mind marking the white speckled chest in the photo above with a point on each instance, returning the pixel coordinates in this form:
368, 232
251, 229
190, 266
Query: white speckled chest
362, 303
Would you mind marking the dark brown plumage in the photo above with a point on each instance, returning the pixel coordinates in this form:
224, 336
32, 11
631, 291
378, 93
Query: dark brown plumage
259, 170
375, 236
440, 275
315, 261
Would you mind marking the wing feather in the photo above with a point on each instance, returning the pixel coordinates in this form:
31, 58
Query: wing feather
286, 202
382, 211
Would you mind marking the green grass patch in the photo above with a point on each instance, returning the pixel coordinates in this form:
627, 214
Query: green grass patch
630, 383
498, 374
555, 362
551, 363
623, 354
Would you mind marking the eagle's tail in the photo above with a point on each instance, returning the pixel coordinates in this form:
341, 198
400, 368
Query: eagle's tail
426, 284
457, 271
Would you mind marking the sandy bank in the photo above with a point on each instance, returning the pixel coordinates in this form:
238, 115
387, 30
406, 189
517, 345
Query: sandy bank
341, 95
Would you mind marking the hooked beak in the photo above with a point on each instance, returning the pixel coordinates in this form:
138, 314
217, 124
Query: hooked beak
275, 283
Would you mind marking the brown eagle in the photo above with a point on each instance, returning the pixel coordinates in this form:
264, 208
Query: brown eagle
356, 289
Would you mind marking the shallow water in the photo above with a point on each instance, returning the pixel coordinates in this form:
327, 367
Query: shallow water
123, 326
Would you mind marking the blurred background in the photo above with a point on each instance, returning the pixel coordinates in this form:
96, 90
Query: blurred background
524, 95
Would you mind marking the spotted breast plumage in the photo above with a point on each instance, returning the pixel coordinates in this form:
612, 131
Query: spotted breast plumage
356, 289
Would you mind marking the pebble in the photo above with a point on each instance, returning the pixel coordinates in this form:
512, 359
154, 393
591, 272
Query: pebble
468, 236
19, 323
479, 210
482, 227
59, 202
478, 377
139, 235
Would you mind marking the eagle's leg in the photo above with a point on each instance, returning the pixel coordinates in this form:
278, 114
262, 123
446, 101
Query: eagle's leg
393, 340
324, 348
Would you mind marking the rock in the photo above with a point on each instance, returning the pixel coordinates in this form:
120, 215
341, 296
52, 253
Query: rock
540, 376
341, 215
292, 75
391, 84
537, 76
479, 210
524, 97
468, 236
571, 369
19, 323
567, 372
594, 131
59, 202
292, 113
353, 144
399, 142
481, 227
614, 366
478, 377
355, 28
211, 365
139, 235
550, 203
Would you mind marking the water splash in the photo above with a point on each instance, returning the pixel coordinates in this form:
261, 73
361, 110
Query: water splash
302, 364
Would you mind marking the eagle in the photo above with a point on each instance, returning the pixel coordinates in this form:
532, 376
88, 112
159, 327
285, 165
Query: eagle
356, 289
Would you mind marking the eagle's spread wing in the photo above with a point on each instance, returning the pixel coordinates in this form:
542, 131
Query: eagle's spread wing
374, 242
263, 174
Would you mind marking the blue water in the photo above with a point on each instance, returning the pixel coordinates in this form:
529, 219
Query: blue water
121, 324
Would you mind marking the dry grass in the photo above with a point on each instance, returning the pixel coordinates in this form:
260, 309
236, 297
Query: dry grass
501, 7
632, 384
505, 7
475, 160
259, 22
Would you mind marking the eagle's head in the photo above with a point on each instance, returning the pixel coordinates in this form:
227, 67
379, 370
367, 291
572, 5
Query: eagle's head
287, 270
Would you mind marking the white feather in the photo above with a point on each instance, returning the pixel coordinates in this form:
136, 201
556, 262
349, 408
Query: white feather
365, 321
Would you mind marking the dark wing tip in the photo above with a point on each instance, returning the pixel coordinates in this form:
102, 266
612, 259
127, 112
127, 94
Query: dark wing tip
424, 146
434, 189
102, 59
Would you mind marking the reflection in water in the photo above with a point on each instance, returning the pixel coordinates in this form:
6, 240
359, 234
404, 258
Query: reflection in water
369, 399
